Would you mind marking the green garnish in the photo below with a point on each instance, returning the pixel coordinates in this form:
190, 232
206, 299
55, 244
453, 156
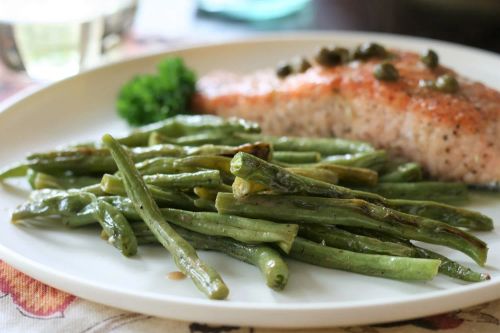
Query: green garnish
386, 72
366, 51
329, 57
153, 97
430, 59
283, 70
447, 83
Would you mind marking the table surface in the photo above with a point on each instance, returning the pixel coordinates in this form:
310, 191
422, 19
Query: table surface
27, 305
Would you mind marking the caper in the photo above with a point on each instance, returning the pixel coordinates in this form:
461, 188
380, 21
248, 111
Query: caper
430, 59
369, 50
386, 72
301, 65
427, 84
283, 70
332, 57
447, 83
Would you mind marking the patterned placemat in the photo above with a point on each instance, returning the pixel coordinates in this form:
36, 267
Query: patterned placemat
27, 305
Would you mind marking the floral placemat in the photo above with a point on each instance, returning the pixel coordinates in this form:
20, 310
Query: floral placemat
27, 305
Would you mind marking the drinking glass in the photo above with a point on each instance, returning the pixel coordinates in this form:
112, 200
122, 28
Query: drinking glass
53, 39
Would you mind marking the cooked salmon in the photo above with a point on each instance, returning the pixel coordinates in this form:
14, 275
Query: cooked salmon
454, 136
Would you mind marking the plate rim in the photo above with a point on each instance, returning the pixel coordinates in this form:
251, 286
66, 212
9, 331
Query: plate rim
46, 274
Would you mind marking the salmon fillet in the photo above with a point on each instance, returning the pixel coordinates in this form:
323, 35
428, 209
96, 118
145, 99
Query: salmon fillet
454, 136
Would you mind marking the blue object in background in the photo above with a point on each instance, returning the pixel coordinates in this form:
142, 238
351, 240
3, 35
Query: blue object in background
252, 10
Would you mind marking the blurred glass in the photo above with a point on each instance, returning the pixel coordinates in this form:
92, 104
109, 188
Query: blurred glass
53, 39
252, 10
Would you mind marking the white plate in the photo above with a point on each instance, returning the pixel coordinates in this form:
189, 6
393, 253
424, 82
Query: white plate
79, 262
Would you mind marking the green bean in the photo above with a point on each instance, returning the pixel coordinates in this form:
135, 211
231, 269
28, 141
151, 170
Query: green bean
259, 149
448, 267
171, 197
93, 160
374, 160
30, 177
42, 180
268, 260
324, 146
220, 163
376, 234
351, 175
185, 257
211, 193
451, 268
493, 186
455, 216
252, 231
352, 212
161, 165
15, 170
242, 187
393, 267
187, 125
205, 205
206, 193
246, 230
70, 208
94, 189
189, 140
141, 240
296, 157
242, 229
345, 174
432, 191
207, 178
124, 205
116, 226
78, 209
45, 193
86, 160
156, 138
338, 238
282, 181
324, 175
73, 211
406, 172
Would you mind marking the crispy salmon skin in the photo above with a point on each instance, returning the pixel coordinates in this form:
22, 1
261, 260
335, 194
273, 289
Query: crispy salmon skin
454, 136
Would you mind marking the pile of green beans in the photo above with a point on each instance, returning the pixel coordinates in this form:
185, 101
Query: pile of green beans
206, 183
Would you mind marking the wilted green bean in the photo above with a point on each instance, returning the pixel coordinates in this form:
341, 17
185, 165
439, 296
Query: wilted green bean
342, 239
374, 160
296, 157
431, 191
352, 212
406, 172
401, 268
205, 277
268, 260
282, 181
187, 125
324, 146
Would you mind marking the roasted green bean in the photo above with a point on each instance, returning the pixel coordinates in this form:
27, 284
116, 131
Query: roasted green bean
205, 277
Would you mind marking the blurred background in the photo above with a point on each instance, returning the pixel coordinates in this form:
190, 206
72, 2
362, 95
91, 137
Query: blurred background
45, 40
